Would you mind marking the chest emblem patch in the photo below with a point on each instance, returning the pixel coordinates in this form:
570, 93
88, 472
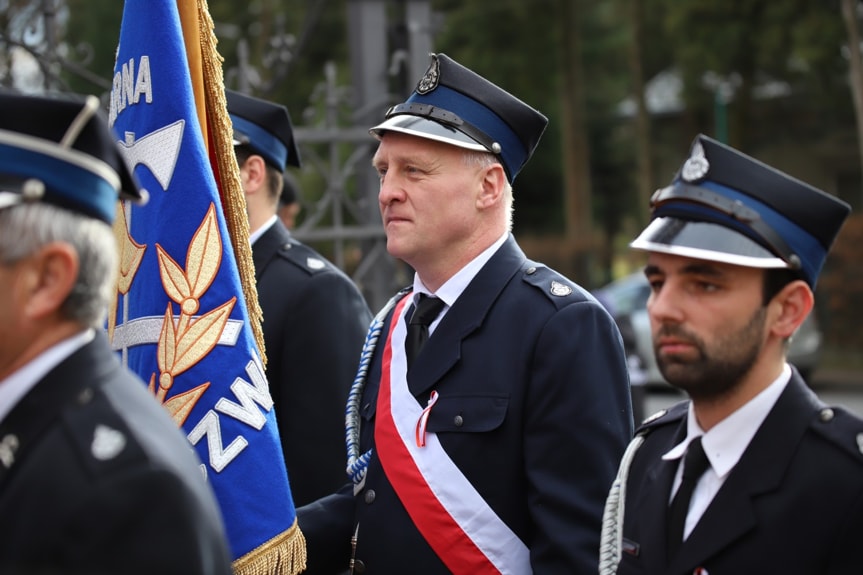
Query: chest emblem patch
107, 443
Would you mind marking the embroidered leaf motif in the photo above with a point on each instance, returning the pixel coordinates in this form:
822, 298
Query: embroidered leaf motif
201, 337
180, 406
204, 255
131, 253
167, 348
173, 278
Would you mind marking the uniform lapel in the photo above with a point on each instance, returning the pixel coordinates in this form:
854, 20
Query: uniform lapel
655, 491
268, 245
21, 428
443, 349
761, 469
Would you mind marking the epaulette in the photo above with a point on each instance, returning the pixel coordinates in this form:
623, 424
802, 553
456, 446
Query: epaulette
663, 417
102, 438
842, 428
557, 288
304, 257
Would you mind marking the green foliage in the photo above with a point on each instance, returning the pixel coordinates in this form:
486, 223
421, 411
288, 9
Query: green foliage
91, 37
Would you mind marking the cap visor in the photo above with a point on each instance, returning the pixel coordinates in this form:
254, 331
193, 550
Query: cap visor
423, 128
704, 241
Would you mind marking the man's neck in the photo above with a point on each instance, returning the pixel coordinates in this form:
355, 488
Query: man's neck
259, 218
713, 410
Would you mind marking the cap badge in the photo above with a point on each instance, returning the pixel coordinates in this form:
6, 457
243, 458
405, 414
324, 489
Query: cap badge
560, 289
697, 166
430, 79
107, 443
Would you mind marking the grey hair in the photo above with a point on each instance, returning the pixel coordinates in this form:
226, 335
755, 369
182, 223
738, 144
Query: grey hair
483, 160
26, 228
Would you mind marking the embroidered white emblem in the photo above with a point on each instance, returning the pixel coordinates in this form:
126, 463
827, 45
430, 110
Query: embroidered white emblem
430, 79
315, 264
560, 289
107, 443
8, 446
696, 166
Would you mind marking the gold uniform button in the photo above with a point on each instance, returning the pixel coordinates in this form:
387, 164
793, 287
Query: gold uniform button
826, 415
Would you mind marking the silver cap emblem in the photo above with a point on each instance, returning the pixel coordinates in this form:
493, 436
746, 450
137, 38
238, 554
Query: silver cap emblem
697, 166
430, 79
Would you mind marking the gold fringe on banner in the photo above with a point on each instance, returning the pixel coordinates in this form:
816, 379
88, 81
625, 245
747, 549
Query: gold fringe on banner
210, 96
285, 553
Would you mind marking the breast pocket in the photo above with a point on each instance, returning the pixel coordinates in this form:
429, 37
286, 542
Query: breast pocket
467, 413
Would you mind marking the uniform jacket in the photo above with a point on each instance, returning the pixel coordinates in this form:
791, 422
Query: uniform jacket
533, 408
793, 504
95, 478
315, 322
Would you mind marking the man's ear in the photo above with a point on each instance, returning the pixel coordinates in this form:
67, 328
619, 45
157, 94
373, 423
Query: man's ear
47, 278
492, 185
791, 306
253, 174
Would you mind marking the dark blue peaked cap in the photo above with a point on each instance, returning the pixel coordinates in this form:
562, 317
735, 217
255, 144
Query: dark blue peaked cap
265, 127
726, 206
59, 150
453, 104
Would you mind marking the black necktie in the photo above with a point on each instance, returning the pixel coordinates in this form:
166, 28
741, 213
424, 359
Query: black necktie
426, 311
695, 463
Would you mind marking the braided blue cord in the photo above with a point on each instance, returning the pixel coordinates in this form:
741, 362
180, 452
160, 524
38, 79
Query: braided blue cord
358, 464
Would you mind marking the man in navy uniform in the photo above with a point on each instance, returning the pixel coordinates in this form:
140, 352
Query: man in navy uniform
490, 448
315, 318
753, 474
95, 477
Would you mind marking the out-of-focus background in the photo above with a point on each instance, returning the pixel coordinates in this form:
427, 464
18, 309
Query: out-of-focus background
626, 84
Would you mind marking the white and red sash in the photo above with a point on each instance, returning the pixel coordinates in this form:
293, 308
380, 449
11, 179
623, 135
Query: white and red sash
450, 514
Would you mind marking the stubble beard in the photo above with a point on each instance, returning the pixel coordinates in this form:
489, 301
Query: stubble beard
717, 371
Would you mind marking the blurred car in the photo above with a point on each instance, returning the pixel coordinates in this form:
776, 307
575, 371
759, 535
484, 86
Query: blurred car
626, 300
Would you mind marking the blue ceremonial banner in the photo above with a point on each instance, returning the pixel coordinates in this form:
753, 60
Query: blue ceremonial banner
181, 319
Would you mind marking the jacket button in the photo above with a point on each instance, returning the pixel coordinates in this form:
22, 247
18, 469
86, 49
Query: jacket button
458, 420
530, 271
826, 415
369, 496
359, 566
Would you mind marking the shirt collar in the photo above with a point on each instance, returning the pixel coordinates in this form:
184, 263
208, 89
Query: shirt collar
453, 287
726, 441
17, 384
262, 230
